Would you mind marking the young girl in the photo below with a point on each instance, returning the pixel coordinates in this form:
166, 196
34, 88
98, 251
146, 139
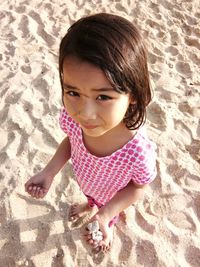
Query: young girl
105, 91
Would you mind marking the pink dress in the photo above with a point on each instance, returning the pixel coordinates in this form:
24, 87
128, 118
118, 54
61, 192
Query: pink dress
102, 177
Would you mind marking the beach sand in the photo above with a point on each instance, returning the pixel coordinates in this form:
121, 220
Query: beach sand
163, 228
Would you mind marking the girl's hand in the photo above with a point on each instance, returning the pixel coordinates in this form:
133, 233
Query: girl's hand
38, 185
107, 232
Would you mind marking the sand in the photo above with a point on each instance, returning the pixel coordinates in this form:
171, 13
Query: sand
163, 228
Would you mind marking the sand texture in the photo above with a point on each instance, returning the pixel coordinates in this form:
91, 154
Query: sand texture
163, 228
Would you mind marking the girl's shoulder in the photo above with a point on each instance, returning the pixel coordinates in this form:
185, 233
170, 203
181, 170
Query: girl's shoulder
141, 141
67, 124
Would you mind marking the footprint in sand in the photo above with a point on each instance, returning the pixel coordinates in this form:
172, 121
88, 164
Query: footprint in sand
185, 107
24, 26
58, 259
152, 58
175, 38
172, 50
192, 42
50, 40
157, 116
195, 58
192, 256
146, 248
180, 220
191, 20
143, 223
168, 204
196, 206
26, 69
197, 32
194, 150
156, 56
125, 252
42, 86
183, 68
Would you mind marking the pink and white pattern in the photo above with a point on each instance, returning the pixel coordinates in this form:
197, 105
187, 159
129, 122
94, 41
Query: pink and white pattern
102, 177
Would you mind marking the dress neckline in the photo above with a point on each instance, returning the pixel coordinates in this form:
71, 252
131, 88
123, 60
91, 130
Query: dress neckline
123, 148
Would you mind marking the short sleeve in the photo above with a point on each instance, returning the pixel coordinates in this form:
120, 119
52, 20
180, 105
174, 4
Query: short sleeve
145, 168
66, 122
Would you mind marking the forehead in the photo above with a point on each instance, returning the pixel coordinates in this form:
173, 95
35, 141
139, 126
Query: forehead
75, 69
72, 63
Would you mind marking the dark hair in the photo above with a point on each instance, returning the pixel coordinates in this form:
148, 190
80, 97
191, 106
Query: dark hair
115, 45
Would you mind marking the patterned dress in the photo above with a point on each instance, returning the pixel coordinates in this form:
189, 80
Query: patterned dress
101, 178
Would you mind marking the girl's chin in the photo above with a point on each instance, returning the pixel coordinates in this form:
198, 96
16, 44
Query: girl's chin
93, 132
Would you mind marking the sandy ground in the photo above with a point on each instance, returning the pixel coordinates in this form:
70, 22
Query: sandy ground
162, 229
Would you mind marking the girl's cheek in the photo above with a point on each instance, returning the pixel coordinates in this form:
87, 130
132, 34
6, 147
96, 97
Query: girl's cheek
71, 105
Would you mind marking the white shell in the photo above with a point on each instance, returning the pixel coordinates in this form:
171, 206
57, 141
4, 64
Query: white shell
93, 228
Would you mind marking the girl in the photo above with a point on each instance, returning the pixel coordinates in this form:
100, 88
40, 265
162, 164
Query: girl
105, 92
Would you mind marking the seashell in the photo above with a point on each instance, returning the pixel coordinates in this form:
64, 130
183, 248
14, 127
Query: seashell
93, 226
98, 238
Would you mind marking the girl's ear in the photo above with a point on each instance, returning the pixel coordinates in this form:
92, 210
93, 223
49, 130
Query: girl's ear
132, 100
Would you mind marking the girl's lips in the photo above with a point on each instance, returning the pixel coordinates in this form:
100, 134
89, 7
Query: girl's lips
89, 126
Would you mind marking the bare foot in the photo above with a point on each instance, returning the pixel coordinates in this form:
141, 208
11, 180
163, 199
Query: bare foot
123, 217
107, 232
105, 244
79, 210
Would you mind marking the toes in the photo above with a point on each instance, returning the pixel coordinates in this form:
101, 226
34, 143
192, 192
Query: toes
91, 241
74, 208
73, 212
95, 244
87, 236
72, 218
104, 248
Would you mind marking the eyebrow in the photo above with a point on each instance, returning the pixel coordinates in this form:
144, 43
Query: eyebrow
103, 89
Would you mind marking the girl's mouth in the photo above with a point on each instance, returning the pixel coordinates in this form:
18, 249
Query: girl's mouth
89, 126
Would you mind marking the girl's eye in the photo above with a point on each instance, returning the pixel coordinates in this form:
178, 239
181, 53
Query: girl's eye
104, 97
71, 93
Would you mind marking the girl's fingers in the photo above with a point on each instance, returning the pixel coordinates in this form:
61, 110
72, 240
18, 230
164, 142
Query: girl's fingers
35, 190
37, 193
41, 193
30, 188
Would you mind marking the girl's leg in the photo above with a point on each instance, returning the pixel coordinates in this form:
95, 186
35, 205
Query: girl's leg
79, 210
114, 221
92, 202
107, 242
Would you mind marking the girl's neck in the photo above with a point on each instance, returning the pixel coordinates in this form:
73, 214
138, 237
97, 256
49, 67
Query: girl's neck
108, 143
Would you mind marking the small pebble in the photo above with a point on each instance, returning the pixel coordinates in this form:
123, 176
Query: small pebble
93, 228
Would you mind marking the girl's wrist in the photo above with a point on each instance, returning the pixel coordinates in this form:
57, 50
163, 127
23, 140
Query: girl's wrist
49, 172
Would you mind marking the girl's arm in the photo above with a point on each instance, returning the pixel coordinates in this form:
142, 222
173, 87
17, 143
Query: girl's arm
122, 200
38, 185
59, 159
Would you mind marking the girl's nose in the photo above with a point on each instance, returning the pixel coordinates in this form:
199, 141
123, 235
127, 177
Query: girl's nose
87, 111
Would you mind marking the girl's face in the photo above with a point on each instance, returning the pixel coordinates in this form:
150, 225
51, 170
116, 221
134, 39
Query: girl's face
90, 99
